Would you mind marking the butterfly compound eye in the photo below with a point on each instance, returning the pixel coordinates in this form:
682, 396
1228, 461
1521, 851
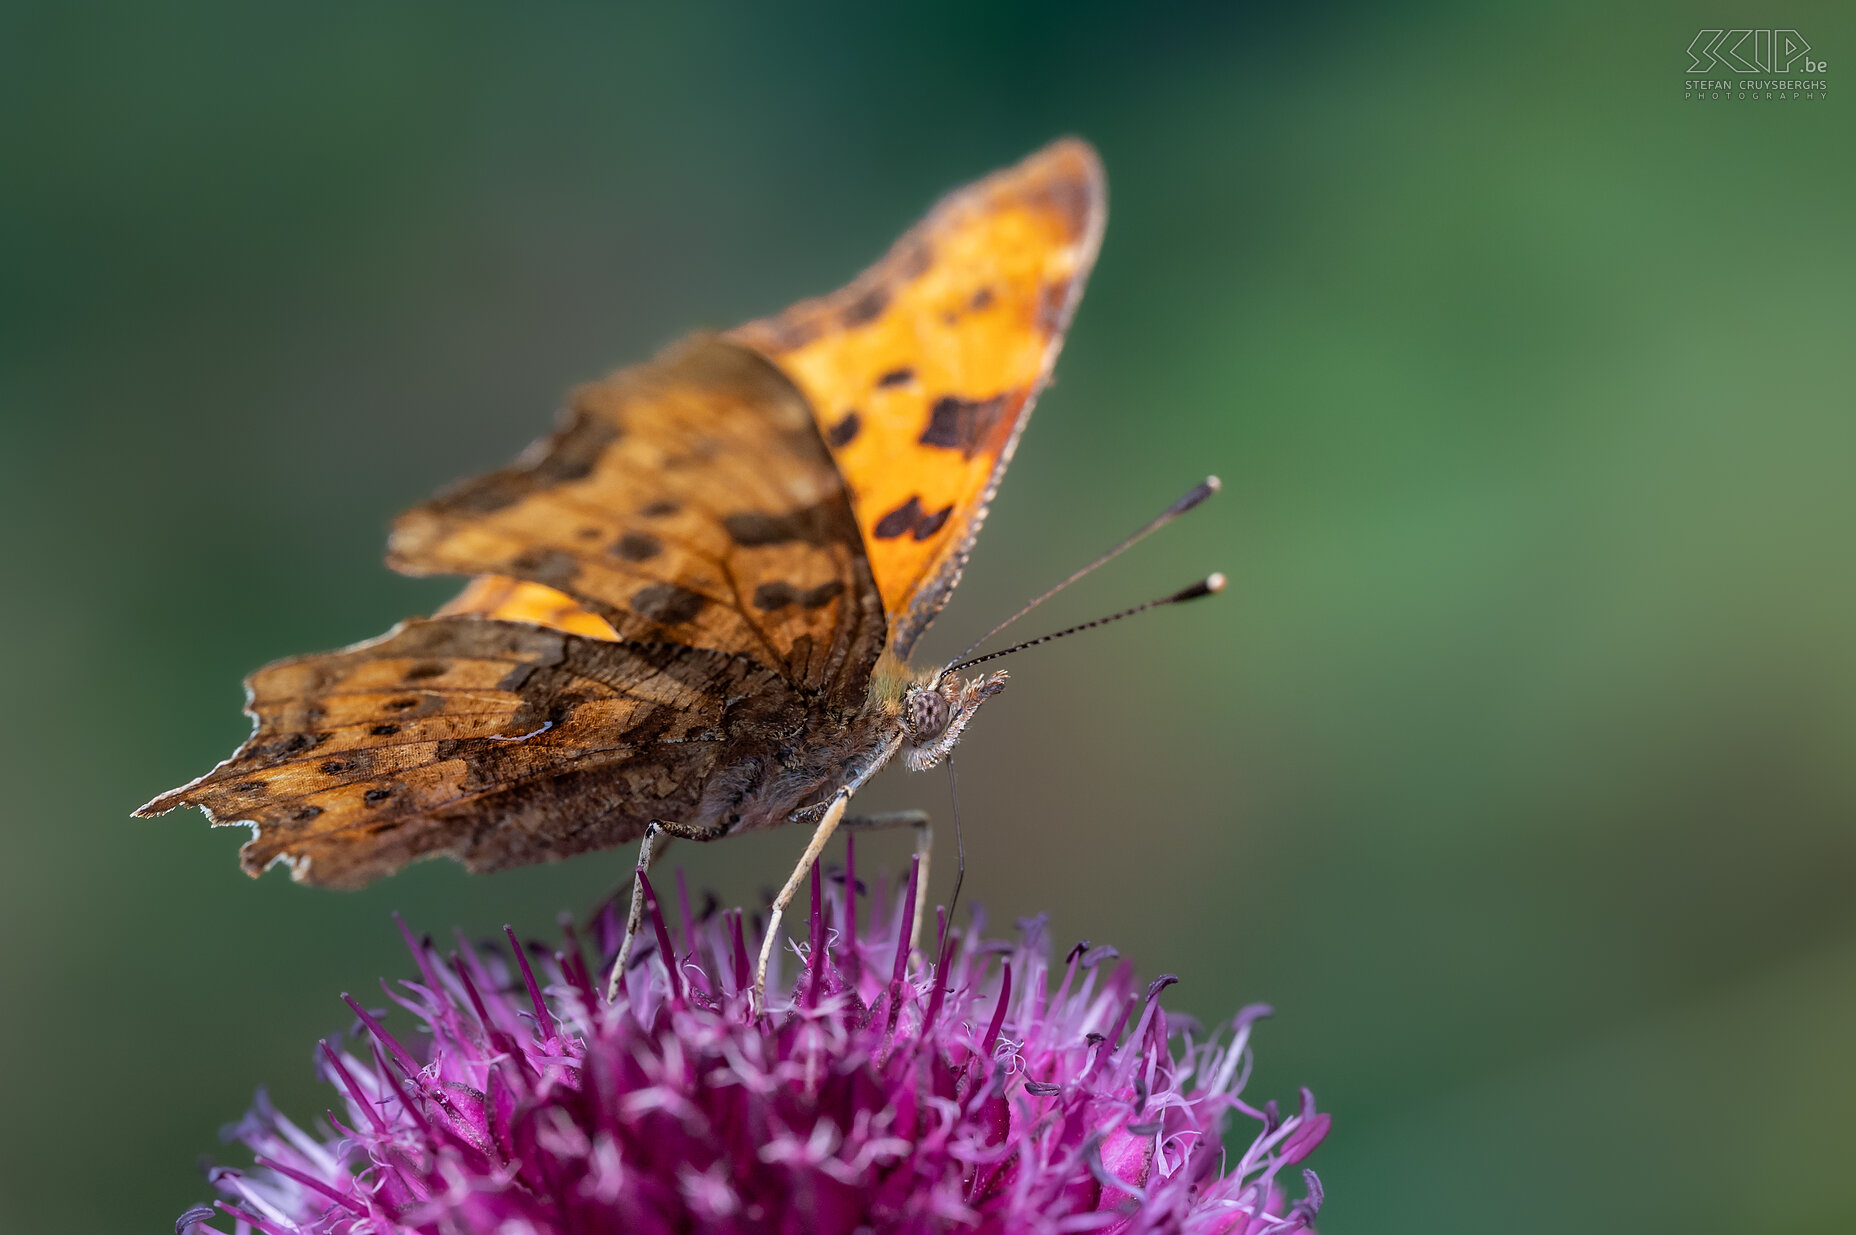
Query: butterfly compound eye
928, 714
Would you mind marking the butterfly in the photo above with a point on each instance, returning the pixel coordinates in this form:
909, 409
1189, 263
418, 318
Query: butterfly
692, 605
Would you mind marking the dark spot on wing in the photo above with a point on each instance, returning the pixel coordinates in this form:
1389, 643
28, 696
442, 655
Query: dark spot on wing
900, 520
816, 525
962, 424
822, 595
427, 669
384, 731
283, 747
401, 705
752, 528
981, 299
896, 377
638, 546
667, 603
587, 533
661, 508
779, 594
776, 595
334, 767
840, 434
250, 786
554, 567
867, 307
571, 456
374, 797
930, 524
909, 518
306, 814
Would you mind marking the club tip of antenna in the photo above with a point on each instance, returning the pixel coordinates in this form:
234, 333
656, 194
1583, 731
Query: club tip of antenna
1210, 584
1198, 493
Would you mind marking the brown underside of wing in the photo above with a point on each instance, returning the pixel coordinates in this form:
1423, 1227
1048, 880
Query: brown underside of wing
495, 743
689, 500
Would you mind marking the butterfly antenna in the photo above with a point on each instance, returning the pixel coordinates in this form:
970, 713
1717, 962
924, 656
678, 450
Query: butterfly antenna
1198, 493
1204, 587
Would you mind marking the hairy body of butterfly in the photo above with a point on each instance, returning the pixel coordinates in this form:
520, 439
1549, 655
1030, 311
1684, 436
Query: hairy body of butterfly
692, 605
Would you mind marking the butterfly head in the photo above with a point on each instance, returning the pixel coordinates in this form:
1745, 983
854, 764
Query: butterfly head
935, 710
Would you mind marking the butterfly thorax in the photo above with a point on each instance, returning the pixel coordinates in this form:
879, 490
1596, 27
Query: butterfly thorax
918, 714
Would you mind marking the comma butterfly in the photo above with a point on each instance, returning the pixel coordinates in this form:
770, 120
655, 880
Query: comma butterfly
693, 603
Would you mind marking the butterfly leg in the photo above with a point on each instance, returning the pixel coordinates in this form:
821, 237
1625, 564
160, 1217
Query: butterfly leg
826, 826
657, 836
924, 847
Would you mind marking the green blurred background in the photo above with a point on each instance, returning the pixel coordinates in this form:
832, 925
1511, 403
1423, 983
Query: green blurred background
1515, 768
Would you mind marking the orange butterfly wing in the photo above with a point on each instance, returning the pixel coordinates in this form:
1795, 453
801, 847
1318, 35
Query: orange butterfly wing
921, 374
923, 370
517, 600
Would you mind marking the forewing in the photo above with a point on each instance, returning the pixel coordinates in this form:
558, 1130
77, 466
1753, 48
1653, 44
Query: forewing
923, 371
690, 501
496, 743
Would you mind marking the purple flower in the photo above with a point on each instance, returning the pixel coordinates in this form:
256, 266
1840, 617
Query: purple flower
1018, 1096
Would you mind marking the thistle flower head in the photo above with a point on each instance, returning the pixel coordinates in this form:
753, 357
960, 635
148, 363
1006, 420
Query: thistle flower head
1016, 1094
